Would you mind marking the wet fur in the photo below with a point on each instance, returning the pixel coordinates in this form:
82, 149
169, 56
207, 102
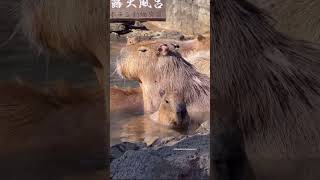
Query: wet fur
168, 113
167, 72
271, 83
69, 28
64, 26
49, 129
298, 19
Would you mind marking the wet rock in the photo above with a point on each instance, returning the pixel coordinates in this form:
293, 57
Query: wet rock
185, 157
138, 25
114, 36
143, 165
117, 27
118, 150
204, 128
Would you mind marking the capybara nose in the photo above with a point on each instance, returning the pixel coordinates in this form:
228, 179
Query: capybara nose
180, 107
182, 120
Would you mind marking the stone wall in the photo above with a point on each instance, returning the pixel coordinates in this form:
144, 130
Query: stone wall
188, 16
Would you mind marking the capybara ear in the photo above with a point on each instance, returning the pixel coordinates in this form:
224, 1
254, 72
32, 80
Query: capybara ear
132, 40
181, 38
162, 92
200, 37
163, 49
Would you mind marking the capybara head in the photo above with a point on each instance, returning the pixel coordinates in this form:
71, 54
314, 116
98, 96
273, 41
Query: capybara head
173, 110
139, 60
199, 43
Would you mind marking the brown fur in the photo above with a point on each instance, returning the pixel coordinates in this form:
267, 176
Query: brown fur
154, 70
298, 19
126, 100
270, 83
185, 48
133, 40
172, 111
196, 51
68, 27
201, 61
50, 129
200, 43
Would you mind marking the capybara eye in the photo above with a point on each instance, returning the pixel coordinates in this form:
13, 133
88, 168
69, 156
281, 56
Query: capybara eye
167, 101
142, 49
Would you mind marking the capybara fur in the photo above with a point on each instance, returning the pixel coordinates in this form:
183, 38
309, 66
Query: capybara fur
44, 131
126, 100
172, 111
201, 61
299, 19
271, 83
157, 66
199, 43
195, 51
74, 27
185, 47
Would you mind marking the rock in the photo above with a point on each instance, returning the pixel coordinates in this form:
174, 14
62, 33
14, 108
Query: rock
118, 150
143, 165
117, 27
196, 159
171, 35
139, 25
185, 157
114, 36
193, 18
204, 128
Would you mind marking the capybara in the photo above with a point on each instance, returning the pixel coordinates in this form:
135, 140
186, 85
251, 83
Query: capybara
70, 28
157, 66
270, 83
51, 134
299, 19
172, 111
195, 51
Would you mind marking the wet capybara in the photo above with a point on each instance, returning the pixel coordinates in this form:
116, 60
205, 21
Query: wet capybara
70, 28
270, 84
51, 134
172, 111
299, 19
157, 66
195, 51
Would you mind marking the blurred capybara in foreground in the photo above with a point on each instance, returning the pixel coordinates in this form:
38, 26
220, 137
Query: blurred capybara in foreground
270, 84
70, 27
157, 65
299, 19
48, 133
